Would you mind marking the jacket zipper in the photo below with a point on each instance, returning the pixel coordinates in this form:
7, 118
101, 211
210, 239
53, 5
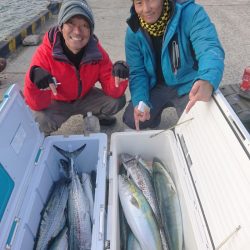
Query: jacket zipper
79, 82
170, 17
175, 56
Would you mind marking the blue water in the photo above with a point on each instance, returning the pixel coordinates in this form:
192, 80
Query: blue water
15, 13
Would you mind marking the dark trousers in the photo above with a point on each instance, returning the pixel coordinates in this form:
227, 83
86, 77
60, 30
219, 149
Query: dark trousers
58, 112
161, 97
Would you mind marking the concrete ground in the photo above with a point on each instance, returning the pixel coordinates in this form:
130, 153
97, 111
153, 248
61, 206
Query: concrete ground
231, 19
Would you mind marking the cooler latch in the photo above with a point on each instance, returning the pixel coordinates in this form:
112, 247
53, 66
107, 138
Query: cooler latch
107, 244
101, 223
12, 233
185, 151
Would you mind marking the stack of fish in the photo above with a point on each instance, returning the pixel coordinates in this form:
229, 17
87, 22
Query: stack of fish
150, 217
67, 218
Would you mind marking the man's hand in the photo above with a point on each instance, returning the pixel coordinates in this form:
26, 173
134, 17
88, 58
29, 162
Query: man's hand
120, 71
201, 91
43, 80
141, 116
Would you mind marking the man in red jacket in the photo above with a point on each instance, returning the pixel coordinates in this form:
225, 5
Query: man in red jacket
65, 67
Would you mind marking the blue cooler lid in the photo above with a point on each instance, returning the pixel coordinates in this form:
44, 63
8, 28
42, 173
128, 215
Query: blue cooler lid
19, 146
6, 187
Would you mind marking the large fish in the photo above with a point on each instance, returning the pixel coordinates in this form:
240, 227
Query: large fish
124, 229
53, 215
61, 241
145, 164
78, 207
143, 180
139, 215
169, 204
133, 243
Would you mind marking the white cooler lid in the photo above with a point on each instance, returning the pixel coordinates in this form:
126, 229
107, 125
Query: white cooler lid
217, 152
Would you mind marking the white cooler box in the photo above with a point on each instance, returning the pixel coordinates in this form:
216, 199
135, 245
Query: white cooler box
209, 158
28, 168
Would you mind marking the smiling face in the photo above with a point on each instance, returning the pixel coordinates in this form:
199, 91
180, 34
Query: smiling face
76, 33
149, 10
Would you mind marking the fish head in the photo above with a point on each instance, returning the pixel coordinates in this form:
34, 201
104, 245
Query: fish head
124, 185
128, 162
64, 168
126, 157
128, 188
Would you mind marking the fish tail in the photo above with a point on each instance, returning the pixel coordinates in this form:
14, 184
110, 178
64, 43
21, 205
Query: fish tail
70, 155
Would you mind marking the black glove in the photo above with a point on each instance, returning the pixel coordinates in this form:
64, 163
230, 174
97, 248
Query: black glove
40, 77
120, 69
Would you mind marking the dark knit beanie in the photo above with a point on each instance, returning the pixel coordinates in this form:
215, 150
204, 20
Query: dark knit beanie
72, 8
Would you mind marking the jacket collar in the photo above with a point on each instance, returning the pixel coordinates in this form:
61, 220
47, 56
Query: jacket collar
134, 23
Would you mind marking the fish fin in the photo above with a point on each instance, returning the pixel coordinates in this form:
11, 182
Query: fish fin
70, 155
77, 152
172, 188
134, 202
62, 152
93, 178
156, 159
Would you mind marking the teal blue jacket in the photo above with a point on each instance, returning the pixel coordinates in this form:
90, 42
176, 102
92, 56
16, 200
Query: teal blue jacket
191, 50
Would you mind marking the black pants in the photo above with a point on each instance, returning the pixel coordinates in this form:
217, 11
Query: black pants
161, 97
58, 112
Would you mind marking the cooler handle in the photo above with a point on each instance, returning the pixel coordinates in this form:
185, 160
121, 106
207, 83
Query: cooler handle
101, 222
12, 233
104, 159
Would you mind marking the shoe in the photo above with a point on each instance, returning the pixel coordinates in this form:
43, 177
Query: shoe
3, 64
155, 123
106, 120
245, 94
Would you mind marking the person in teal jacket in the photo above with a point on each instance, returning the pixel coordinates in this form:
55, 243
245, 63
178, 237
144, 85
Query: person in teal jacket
175, 59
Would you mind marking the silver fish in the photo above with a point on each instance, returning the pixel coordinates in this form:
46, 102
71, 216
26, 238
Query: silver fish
143, 180
53, 217
88, 190
139, 215
169, 204
145, 164
61, 241
78, 216
78, 207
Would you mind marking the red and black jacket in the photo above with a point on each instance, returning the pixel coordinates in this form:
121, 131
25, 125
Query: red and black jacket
95, 66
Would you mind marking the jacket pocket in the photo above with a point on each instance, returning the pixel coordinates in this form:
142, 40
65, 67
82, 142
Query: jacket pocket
174, 52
